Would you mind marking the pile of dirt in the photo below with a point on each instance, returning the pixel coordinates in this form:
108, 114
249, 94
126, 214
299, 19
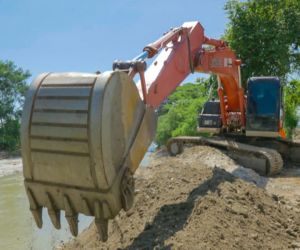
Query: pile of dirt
186, 202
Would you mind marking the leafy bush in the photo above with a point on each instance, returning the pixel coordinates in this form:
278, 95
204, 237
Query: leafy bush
292, 102
178, 115
12, 89
10, 136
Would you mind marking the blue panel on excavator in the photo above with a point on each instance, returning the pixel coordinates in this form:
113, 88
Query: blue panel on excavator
263, 104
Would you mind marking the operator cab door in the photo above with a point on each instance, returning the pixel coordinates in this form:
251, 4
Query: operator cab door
264, 107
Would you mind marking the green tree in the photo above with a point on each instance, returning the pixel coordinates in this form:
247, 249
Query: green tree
12, 90
178, 115
292, 102
265, 35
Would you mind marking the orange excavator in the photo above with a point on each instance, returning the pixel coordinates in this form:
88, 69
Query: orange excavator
84, 135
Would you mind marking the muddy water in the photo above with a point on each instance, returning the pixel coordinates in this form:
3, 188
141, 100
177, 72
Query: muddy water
17, 228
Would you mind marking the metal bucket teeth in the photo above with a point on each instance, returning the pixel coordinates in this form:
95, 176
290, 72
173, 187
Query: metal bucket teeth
36, 211
71, 216
73, 224
102, 227
37, 215
85, 206
127, 192
101, 223
54, 213
55, 218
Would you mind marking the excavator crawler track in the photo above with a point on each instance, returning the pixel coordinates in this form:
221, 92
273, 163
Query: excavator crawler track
289, 150
263, 160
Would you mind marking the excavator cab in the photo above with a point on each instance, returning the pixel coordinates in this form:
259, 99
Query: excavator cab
264, 107
264, 110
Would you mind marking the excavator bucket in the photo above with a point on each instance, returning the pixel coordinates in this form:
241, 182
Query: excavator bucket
83, 136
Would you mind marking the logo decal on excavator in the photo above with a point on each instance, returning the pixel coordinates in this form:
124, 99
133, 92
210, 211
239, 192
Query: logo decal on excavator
218, 62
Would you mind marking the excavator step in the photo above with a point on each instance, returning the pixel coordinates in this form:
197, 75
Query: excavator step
83, 136
263, 160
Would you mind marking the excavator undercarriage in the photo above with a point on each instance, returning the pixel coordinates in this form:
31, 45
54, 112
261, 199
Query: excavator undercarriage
264, 155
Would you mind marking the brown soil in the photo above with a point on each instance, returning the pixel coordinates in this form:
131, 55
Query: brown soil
186, 202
